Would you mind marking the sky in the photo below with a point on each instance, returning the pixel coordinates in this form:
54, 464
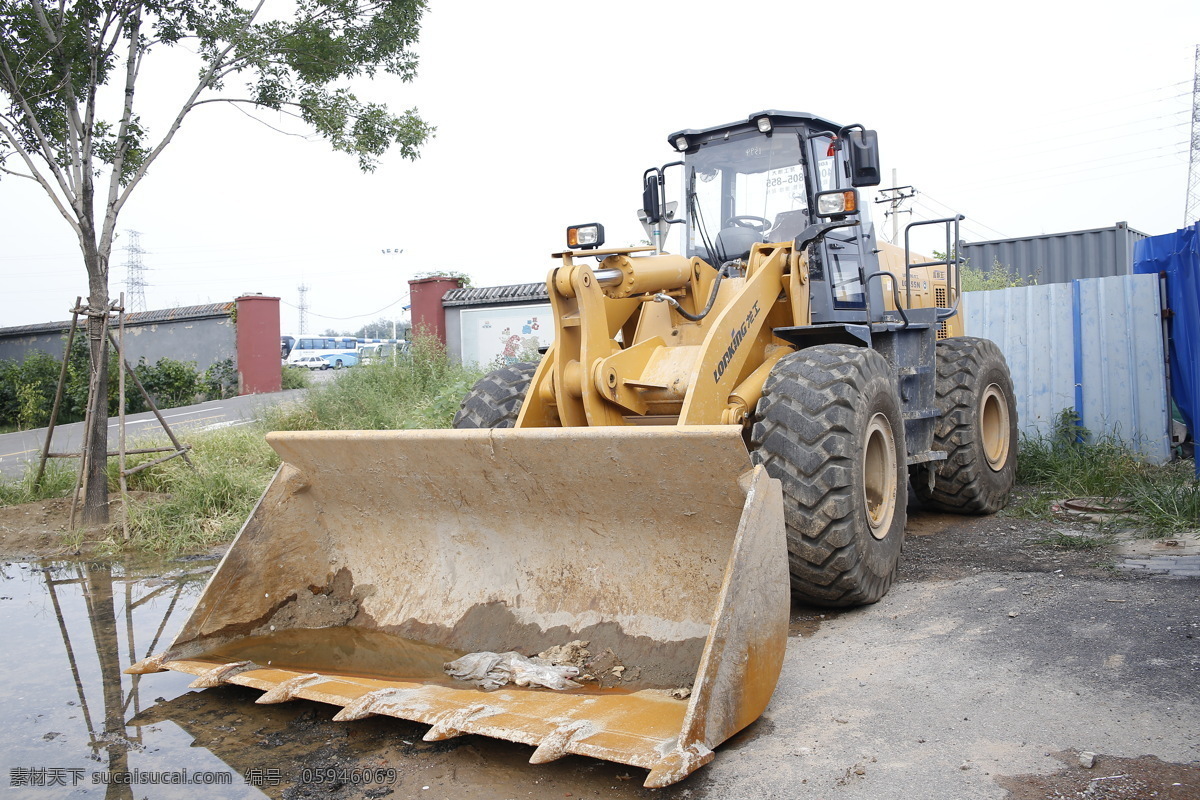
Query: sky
1028, 118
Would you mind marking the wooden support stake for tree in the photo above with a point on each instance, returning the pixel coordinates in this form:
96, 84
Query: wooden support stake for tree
121, 417
89, 421
146, 396
58, 394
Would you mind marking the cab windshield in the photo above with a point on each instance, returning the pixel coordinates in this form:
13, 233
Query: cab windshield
747, 189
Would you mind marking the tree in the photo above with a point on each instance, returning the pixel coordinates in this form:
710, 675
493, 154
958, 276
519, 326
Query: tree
382, 328
63, 65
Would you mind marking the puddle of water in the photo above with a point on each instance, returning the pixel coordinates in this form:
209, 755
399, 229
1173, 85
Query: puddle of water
77, 726
70, 628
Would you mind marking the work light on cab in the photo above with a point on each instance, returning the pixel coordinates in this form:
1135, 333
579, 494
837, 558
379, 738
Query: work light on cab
585, 237
837, 203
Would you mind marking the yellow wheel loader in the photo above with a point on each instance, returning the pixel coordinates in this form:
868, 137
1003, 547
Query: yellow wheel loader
626, 513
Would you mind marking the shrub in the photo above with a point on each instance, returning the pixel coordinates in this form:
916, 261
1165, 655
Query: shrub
171, 383
998, 277
220, 381
294, 378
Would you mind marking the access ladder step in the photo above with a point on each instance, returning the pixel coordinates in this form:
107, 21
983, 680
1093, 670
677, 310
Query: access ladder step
926, 456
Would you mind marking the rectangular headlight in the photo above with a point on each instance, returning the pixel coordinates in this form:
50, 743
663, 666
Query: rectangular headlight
585, 236
834, 203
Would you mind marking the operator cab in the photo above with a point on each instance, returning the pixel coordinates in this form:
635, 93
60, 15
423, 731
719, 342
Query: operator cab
758, 180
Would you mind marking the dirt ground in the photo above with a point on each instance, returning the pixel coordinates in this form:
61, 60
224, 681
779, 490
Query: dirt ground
41, 529
996, 659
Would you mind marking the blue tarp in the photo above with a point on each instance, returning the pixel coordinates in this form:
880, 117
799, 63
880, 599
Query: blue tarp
1178, 255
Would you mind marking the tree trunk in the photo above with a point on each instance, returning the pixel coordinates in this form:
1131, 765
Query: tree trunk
95, 497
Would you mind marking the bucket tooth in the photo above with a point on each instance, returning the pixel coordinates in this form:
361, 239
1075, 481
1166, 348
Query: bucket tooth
449, 725
677, 765
382, 701
554, 746
147, 665
287, 690
360, 708
218, 675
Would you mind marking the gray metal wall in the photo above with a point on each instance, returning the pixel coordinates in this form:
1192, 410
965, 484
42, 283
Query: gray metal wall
203, 341
1094, 346
1060, 257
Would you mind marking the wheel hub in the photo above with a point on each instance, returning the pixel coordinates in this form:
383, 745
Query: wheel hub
879, 475
993, 427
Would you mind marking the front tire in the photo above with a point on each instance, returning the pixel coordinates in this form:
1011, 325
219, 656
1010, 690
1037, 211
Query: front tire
830, 428
495, 400
977, 430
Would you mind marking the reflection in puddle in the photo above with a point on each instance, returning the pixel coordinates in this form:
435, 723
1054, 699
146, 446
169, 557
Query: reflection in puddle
69, 629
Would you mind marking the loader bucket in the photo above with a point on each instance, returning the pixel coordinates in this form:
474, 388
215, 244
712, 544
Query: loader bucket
375, 557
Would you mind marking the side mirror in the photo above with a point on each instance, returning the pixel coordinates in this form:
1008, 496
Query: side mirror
652, 198
864, 157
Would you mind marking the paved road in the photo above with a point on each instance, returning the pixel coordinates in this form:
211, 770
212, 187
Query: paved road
17, 450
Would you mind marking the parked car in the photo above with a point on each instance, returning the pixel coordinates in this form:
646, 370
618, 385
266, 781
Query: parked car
309, 362
339, 360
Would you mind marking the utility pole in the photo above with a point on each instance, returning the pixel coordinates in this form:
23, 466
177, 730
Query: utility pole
135, 273
1191, 211
303, 289
894, 197
392, 251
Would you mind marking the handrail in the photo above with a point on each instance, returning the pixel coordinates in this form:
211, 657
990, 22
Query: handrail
952, 262
895, 292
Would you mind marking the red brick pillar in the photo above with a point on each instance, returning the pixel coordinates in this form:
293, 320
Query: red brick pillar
426, 294
258, 344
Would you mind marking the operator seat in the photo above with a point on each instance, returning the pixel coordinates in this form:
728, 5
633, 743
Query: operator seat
734, 242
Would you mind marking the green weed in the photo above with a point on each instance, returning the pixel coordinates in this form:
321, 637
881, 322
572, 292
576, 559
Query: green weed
58, 481
1072, 462
422, 390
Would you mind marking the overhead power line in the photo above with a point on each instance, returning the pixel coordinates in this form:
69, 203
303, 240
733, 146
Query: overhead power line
346, 319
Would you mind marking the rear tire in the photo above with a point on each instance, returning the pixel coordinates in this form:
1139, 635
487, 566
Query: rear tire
829, 427
495, 400
977, 430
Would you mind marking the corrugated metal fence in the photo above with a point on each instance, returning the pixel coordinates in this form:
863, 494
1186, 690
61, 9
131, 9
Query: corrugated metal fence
1092, 345
1059, 257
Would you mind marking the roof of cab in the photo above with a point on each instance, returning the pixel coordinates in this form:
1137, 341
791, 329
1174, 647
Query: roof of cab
777, 118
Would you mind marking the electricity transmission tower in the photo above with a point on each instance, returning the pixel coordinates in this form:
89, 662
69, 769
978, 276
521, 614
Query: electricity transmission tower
135, 273
1192, 209
303, 289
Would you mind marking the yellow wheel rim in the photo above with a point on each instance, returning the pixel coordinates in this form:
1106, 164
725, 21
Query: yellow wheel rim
993, 427
879, 475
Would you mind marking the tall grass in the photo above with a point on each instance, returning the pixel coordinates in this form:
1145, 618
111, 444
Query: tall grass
421, 390
203, 506
1072, 462
58, 481
195, 509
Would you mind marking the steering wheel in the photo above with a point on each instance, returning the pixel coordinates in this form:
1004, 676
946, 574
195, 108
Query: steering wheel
756, 224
